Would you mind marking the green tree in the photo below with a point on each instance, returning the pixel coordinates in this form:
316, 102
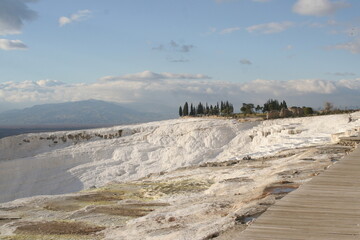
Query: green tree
247, 108
271, 105
186, 109
308, 110
192, 110
200, 109
180, 111
258, 108
226, 108
207, 109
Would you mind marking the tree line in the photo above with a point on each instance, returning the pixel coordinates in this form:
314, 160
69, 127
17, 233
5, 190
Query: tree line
226, 108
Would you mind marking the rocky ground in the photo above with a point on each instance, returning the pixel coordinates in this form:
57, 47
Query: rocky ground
214, 200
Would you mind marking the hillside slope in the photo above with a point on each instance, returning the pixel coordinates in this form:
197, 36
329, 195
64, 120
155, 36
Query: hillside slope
61, 162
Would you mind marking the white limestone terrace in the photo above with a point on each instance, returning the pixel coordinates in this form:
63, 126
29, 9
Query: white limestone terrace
63, 162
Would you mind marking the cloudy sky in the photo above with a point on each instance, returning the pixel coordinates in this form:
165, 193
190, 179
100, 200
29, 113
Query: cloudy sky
167, 52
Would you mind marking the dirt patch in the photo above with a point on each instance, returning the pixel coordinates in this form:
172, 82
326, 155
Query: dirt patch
180, 186
128, 210
62, 206
101, 196
124, 211
58, 228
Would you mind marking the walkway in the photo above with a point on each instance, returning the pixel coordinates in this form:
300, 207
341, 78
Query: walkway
326, 208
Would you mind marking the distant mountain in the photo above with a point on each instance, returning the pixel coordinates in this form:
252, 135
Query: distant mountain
81, 113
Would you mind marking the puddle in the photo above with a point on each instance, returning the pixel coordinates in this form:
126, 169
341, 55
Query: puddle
248, 219
280, 189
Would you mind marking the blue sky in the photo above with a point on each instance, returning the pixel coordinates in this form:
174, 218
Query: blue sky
167, 52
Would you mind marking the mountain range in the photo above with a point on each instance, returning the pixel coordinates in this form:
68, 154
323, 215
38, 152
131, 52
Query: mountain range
80, 113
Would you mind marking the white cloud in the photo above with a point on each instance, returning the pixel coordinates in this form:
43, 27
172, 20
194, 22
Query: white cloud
289, 47
269, 28
148, 75
6, 44
76, 17
291, 87
353, 46
172, 89
245, 61
318, 7
64, 20
353, 84
13, 13
229, 30
48, 83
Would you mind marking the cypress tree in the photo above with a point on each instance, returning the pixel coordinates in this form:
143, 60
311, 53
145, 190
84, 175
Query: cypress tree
284, 104
200, 109
186, 109
192, 112
207, 109
180, 112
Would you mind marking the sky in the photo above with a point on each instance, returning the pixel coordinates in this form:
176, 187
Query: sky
165, 52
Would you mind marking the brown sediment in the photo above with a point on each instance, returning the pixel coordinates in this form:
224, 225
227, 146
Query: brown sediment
100, 196
61, 206
58, 228
125, 211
